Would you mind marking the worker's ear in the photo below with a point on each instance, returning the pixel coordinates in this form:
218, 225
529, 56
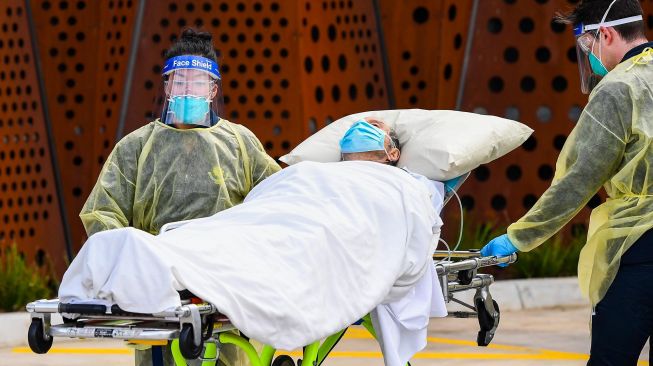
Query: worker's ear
214, 91
609, 35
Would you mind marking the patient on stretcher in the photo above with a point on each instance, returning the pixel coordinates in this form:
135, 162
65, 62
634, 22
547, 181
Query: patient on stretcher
311, 250
359, 140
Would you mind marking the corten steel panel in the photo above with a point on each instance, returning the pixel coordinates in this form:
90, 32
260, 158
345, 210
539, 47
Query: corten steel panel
522, 66
341, 61
425, 45
454, 38
66, 33
115, 23
288, 67
84, 46
29, 208
258, 52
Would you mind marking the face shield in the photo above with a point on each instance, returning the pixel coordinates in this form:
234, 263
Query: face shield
588, 78
192, 90
588, 49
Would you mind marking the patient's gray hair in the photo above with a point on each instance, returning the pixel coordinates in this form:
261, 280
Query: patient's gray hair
394, 138
395, 143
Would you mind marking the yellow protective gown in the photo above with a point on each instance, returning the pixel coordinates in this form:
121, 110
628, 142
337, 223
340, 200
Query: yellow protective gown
610, 146
159, 174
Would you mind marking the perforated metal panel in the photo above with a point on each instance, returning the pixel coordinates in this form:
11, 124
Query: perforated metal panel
342, 64
84, 47
523, 67
425, 49
288, 67
113, 42
29, 208
255, 40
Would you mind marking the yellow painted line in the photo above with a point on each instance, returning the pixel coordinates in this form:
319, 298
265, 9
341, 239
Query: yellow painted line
357, 333
458, 356
458, 342
544, 356
552, 356
81, 351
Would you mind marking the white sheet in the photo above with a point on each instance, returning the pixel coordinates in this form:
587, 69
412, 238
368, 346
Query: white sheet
311, 250
402, 325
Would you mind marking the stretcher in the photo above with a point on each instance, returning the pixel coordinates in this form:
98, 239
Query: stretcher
196, 330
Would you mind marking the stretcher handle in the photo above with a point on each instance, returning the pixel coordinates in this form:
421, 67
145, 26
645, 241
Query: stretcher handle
470, 253
444, 268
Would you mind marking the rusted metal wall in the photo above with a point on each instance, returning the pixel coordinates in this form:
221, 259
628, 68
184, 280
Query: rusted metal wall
84, 46
29, 206
289, 68
522, 66
258, 49
425, 42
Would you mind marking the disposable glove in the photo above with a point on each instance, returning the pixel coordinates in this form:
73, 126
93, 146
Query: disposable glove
501, 246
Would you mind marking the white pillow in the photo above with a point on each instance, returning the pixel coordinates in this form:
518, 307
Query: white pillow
438, 144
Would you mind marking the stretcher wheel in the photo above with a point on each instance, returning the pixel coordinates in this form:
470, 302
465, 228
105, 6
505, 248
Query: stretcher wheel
283, 360
466, 277
38, 341
487, 323
187, 346
68, 320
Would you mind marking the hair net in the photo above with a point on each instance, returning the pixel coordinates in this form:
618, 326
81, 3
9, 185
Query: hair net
610, 146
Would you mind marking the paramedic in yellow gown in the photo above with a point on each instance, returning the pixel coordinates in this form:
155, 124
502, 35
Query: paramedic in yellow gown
611, 146
190, 163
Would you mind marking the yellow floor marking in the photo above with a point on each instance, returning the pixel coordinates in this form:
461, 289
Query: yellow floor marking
458, 342
81, 351
548, 356
526, 353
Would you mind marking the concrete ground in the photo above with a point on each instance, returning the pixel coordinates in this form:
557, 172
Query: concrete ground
532, 337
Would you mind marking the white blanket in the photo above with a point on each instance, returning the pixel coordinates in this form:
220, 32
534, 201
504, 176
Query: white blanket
311, 250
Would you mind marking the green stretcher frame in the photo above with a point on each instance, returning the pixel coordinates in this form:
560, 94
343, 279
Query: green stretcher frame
314, 354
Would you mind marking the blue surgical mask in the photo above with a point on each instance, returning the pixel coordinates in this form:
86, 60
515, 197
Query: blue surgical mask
361, 137
189, 109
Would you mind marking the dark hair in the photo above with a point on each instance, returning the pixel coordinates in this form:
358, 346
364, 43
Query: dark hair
193, 42
591, 12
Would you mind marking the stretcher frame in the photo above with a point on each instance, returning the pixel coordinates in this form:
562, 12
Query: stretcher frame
197, 330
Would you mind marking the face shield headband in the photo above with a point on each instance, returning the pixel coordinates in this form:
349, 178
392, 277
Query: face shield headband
192, 91
590, 66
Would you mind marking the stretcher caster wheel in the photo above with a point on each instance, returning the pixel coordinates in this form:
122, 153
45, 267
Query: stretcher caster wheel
68, 320
187, 346
487, 322
38, 341
283, 360
466, 277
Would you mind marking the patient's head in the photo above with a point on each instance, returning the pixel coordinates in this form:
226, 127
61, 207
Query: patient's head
371, 140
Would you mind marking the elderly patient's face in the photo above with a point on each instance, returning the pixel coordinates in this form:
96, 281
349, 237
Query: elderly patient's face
377, 156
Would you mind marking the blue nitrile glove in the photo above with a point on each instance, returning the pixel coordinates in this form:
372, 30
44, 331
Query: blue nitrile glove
501, 246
